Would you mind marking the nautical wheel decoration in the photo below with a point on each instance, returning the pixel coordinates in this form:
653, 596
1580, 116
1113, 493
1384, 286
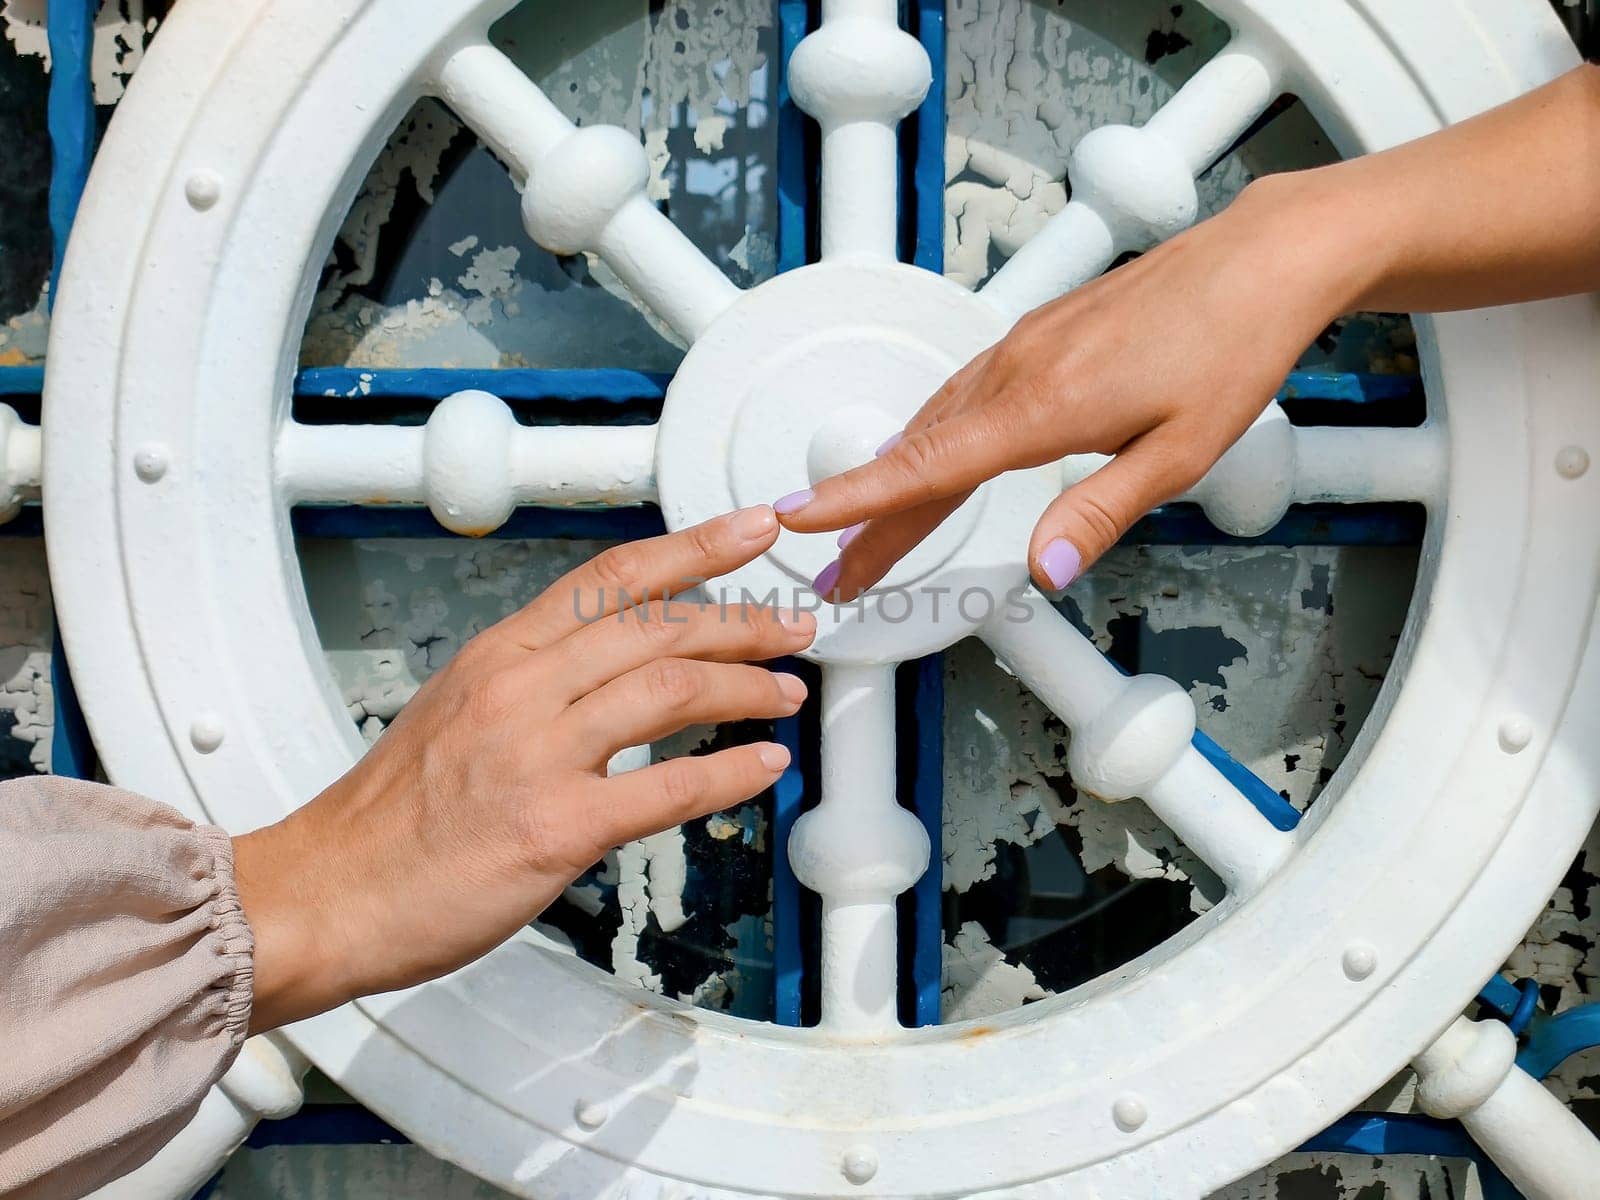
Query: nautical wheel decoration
177, 458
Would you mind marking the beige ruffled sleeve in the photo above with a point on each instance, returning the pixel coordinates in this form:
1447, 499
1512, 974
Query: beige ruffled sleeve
125, 975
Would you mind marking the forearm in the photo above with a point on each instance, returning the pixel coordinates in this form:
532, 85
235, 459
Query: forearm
1499, 209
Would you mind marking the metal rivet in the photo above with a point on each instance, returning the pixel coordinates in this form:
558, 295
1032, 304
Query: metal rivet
206, 732
150, 462
202, 190
1129, 1113
1572, 461
591, 1114
1515, 734
860, 1164
1360, 961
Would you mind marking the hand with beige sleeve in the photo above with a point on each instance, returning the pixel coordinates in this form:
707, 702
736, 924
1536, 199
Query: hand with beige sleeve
489, 795
138, 950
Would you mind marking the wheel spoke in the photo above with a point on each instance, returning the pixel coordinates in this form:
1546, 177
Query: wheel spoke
858, 849
859, 75
471, 464
584, 189
20, 448
1132, 736
1469, 1074
1135, 186
1276, 464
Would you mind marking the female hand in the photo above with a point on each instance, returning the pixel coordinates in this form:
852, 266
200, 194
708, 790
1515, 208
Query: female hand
489, 794
1164, 362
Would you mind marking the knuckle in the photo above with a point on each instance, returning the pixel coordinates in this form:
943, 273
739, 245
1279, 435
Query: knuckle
916, 462
682, 785
706, 542
1103, 524
673, 683
654, 627
621, 566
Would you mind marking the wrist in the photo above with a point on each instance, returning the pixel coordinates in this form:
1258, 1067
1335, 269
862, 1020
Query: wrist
294, 976
1317, 243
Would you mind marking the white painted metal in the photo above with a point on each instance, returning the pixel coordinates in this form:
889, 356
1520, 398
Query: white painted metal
585, 188
858, 849
471, 464
1276, 464
1131, 737
1133, 187
807, 375
859, 74
169, 468
1469, 1074
20, 448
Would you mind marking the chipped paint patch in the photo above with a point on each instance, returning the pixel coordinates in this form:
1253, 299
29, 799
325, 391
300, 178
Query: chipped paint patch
687, 76
978, 981
1283, 652
1026, 81
27, 702
122, 30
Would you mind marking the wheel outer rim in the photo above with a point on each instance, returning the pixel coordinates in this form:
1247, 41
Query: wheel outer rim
1237, 1053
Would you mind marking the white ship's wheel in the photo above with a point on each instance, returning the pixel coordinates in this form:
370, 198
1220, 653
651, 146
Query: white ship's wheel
1343, 949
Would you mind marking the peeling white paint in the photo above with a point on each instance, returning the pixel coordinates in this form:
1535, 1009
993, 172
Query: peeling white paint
633, 897
26, 628
694, 64
1026, 82
1358, 1177
122, 30
978, 981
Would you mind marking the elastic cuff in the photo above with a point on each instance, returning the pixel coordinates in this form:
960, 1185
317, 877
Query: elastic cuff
235, 943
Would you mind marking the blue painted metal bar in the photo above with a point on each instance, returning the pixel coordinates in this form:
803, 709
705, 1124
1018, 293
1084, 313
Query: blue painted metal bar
1303, 525
796, 211
599, 524
796, 175
1348, 386
511, 383
69, 25
787, 963
927, 175
922, 214
71, 120
619, 384
1384, 1134
1278, 811
927, 794
1397, 525
1553, 1040
1527, 1007
327, 1125
1502, 996
21, 381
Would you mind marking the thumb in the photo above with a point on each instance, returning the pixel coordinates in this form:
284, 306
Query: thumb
1091, 516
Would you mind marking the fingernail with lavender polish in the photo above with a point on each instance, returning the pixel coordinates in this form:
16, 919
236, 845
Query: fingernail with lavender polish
794, 502
889, 445
824, 583
849, 535
1060, 562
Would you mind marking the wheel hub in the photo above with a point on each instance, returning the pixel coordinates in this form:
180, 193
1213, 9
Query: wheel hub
804, 378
